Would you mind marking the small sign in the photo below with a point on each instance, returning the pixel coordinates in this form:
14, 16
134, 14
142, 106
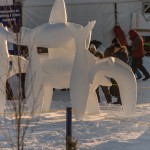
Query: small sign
10, 16
42, 50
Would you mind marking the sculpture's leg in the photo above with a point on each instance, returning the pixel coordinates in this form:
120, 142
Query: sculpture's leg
48, 92
79, 81
34, 93
34, 85
34, 101
92, 103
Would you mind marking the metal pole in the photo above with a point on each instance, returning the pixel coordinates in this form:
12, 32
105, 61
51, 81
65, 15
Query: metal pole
116, 15
68, 126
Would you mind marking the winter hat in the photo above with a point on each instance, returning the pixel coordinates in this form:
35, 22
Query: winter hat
117, 45
96, 43
92, 46
114, 41
133, 34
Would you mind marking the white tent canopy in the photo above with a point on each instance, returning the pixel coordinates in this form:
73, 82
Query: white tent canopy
36, 12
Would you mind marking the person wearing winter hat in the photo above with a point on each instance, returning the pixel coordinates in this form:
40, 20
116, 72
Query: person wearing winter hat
121, 52
92, 48
137, 53
114, 41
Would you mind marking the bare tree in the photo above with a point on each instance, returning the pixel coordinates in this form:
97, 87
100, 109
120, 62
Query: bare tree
15, 121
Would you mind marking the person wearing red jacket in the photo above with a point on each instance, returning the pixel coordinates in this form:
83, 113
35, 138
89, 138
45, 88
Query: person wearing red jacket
137, 53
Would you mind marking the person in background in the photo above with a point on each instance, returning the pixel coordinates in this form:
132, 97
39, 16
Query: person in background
92, 48
122, 54
99, 45
115, 50
114, 41
25, 52
137, 73
137, 53
105, 90
109, 52
96, 43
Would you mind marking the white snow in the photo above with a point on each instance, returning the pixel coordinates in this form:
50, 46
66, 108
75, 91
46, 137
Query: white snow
108, 130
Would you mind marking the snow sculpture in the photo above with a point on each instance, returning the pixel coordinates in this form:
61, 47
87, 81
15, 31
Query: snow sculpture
8, 67
69, 64
122, 73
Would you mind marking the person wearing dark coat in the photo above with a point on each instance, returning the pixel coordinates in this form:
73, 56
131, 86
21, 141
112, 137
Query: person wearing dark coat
122, 54
92, 48
137, 52
109, 52
114, 41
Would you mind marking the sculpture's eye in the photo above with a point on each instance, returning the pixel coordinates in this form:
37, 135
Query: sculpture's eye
42, 50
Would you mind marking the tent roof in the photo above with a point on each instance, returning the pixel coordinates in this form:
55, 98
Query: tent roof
50, 2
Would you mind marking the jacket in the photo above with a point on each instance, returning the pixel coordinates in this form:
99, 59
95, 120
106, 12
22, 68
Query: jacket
122, 55
137, 48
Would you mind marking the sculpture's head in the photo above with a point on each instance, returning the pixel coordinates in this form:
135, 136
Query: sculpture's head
61, 38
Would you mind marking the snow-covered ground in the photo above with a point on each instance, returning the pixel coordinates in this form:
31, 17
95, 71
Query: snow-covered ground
108, 130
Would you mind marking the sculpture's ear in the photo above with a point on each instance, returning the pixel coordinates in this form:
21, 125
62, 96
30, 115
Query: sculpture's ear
58, 12
88, 41
88, 28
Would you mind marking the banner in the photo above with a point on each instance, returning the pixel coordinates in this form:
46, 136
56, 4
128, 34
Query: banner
11, 17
